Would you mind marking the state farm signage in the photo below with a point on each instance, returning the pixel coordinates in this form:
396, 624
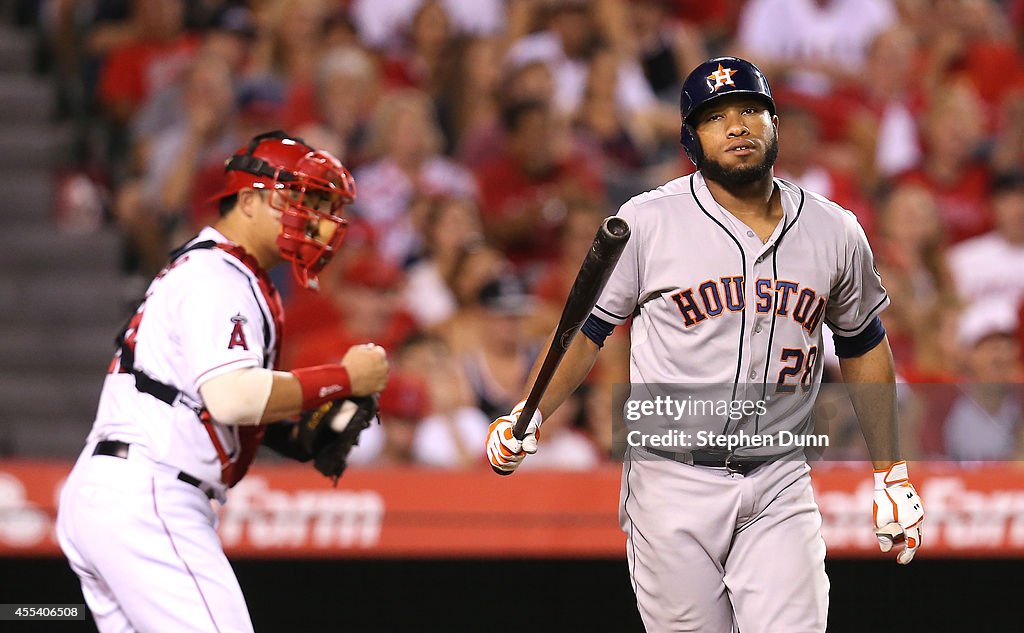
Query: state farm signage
262, 517
289, 510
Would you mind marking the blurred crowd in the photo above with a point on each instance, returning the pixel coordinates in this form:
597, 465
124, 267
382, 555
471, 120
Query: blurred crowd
488, 138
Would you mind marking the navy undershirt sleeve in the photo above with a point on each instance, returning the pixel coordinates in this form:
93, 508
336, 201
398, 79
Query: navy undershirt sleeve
597, 329
860, 344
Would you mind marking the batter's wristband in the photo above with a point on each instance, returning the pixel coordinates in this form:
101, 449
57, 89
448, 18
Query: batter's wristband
892, 476
322, 383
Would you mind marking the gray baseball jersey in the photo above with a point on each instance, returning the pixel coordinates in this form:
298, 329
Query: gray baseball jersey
714, 305
716, 311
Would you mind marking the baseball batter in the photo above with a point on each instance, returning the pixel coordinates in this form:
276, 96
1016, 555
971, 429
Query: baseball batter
191, 390
730, 277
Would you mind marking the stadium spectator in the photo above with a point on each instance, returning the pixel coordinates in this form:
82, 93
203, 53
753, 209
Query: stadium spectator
834, 416
451, 228
381, 25
208, 131
621, 141
527, 83
715, 20
935, 353
259, 107
391, 441
405, 142
336, 112
522, 189
229, 37
583, 216
531, 81
952, 167
1008, 142
291, 35
448, 437
989, 267
477, 265
426, 49
287, 52
152, 58
153, 211
666, 47
565, 44
499, 355
911, 260
80, 41
804, 159
360, 302
811, 45
600, 404
987, 421
934, 375
877, 114
968, 39
469, 99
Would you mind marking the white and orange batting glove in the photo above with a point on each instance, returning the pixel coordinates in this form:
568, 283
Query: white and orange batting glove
898, 511
504, 451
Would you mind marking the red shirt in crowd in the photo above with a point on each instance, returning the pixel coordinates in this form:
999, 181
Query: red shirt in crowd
137, 70
963, 205
994, 70
507, 190
315, 331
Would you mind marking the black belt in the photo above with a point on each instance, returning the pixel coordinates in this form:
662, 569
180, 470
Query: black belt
713, 459
115, 448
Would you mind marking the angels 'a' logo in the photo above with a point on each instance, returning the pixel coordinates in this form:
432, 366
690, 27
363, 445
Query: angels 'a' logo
721, 77
237, 333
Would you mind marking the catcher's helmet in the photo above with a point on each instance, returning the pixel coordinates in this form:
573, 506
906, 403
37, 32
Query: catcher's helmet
313, 187
712, 80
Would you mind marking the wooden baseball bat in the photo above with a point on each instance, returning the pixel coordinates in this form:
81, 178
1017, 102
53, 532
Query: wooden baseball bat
604, 253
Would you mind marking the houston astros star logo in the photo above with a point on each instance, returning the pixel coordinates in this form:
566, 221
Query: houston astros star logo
721, 77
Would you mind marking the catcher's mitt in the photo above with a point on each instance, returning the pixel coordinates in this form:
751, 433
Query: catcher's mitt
329, 432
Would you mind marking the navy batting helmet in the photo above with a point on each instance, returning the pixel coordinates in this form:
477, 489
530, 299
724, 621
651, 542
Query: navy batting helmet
711, 80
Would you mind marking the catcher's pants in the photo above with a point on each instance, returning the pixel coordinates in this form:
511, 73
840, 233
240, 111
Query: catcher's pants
715, 552
146, 550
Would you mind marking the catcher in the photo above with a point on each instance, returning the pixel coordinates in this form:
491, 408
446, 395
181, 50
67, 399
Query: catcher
192, 392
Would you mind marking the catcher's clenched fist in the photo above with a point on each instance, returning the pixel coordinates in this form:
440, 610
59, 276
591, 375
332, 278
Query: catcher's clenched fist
898, 511
504, 451
367, 367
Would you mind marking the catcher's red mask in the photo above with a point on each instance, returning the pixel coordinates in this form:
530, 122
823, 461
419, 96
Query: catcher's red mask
309, 187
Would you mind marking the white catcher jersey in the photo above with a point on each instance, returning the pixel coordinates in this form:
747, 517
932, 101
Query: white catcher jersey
205, 315
713, 305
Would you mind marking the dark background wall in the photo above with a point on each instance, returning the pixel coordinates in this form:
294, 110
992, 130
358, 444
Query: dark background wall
363, 596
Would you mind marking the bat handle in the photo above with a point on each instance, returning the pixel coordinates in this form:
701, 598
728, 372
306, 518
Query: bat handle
529, 408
